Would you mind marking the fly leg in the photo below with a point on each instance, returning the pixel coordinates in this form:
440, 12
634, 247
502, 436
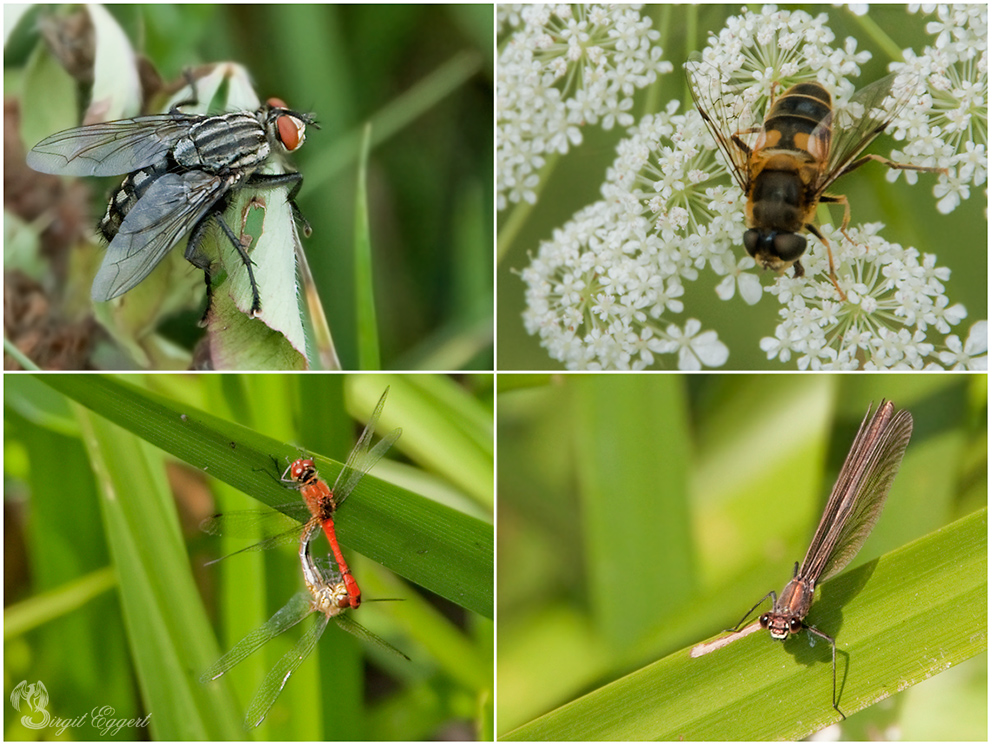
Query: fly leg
199, 259
830, 257
841, 199
268, 181
891, 164
193, 99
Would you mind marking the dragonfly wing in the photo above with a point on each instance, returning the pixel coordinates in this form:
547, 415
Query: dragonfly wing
276, 679
355, 469
352, 627
295, 610
361, 459
249, 523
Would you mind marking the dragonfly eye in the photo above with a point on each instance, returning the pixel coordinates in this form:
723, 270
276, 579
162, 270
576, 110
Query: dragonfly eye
300, 468
795, 625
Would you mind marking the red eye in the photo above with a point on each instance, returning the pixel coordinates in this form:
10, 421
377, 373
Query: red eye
277, 103
292, 132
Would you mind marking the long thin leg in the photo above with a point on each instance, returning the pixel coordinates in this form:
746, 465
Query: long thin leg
269, 181
256, 301
891, 164
737, 626
830, 256
833, 656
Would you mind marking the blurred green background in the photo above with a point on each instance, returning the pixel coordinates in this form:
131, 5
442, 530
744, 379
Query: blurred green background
423, 75
959, 240
640, 514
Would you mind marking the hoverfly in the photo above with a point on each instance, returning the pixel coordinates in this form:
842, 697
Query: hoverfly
181, 169
788, 162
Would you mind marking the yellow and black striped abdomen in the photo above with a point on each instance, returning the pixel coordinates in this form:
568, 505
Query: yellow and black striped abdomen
794, 117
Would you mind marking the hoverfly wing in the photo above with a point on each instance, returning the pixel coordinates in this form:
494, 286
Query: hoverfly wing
870, 111
726, 113
170, 208
108, 149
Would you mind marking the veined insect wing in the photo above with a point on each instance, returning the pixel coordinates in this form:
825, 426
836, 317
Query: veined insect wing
867, 115
862, 487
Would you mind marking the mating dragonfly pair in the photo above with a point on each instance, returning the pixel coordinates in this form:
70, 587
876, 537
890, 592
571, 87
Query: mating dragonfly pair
331, 588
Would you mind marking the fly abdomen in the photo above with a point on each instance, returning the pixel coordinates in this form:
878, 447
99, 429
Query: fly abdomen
223, 143
796, 116
125, 197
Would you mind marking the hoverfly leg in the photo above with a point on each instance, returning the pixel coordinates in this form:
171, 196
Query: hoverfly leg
830, 257
891, 164
840, 199
736, 140
772, 95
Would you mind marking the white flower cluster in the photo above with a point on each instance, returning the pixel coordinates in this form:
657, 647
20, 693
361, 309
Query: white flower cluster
948, 125
605, 291
564, 67
894, 296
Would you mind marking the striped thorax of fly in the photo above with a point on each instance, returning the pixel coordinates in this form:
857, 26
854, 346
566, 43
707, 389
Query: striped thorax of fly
241, 141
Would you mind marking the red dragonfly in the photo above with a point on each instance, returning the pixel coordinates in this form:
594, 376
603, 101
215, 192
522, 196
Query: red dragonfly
318, 506
328, 594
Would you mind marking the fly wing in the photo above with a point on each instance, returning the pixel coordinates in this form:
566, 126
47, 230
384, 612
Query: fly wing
853, 126
726, 110
109, 149
859, 494
167, 211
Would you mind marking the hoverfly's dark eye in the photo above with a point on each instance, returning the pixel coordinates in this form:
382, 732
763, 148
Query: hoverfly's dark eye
751, 241
789, 246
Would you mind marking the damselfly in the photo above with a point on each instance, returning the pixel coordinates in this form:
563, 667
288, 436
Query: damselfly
849, 516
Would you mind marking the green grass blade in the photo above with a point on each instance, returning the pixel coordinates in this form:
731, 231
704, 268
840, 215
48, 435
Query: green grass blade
368, 336
916, 612
168, 632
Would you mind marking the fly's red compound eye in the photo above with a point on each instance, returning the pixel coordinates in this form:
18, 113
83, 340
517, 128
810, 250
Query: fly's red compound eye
292, 132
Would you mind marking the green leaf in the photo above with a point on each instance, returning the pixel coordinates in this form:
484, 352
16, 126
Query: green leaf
913, 613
